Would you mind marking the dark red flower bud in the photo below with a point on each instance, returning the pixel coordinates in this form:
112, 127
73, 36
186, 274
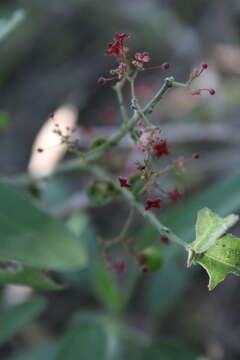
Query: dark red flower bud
165, 66
174, 195
212, 91
119, 266
153, 203
164, 240
161, 148
195, 156
204, 65
123, 181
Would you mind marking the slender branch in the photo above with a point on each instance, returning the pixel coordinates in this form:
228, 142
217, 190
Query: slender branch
75, 164
135, 102
118, 88
162, 229
123, 232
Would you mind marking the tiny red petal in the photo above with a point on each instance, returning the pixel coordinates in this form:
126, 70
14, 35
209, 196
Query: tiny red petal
153, 203
164, 240
142, 57
174, 195
102, 80
165, 66
123, 181
161, 148
195, 156
119, 266
204, 65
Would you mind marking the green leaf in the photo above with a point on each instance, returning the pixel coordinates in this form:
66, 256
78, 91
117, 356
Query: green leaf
209, 227
90, 337
31, 236
168, 349
18, 274
14, 317
4, 119
224, 198
107, 289
220, 259
44, 351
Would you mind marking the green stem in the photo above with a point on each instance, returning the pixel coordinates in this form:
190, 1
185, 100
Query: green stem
162, 229
118, 88
75, 164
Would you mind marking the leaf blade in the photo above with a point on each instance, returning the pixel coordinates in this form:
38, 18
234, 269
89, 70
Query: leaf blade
220, 259
31, 236
209, 227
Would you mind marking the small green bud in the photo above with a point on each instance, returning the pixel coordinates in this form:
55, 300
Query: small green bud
101, 192
150, 259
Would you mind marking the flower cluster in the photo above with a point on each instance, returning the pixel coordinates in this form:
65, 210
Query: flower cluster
116, 48
127, 63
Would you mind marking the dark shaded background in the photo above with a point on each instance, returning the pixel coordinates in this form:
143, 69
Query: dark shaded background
55, 56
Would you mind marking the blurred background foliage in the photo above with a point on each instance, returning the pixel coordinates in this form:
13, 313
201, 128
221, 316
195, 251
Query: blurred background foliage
51, 55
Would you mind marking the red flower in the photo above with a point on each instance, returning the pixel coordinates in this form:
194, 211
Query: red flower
116, 48
164, 240
153, 203
121, 36
113, 48
174, 195
143, 57
204, 65
124, 182
119, 266
161, 148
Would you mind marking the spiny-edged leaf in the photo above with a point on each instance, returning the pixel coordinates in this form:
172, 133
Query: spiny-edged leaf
224, 198
32, 237
18, 274
14, 317
209, 227
220, 259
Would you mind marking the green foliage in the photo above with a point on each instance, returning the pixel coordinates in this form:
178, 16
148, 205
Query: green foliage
45, 351
107, 289
167, 349
14, 317
31, 236
218, 254
90, 337
4, 119
18, 274
223, 197
209, 227
220, 259
101, 192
